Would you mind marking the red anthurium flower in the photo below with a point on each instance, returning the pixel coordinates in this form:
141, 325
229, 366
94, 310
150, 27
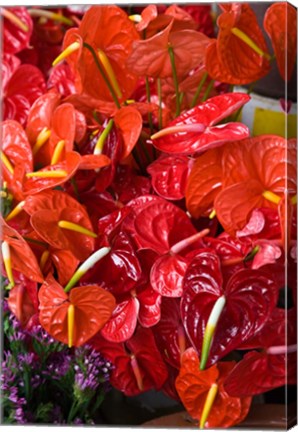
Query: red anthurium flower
203, 394
22, 300
111, 59
129, 123
280, 23
204, 182
233, 313
168, 270
157, 224
169, 175
20, 256
150, 301
21, 86
16, 29
16, 151
120, 270
170, 334
63, 261
256, 174
75, 317
133, 373
151, 57
62, 222
260, 372
194, 130
52, 175
52, 129
62, 79
141, 304
123, 321
239, 54
275, 365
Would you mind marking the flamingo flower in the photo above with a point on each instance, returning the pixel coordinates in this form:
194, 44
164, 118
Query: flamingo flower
239, 54
203, 394
195, 131
219, 318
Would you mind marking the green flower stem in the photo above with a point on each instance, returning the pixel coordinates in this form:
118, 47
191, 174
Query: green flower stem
175, 79
38, 242
107, 82
208, 90
199, 89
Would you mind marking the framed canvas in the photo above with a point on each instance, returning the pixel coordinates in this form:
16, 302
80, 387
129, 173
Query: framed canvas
149, 215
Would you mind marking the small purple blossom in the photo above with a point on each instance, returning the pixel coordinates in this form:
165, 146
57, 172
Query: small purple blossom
25, 360
58, 365
20, 416
92, 371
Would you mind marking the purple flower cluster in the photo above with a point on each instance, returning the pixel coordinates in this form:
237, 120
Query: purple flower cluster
9, 388
34, 363
58, 364
93, 370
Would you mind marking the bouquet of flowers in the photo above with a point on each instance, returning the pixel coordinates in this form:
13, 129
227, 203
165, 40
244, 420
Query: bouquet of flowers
147, 237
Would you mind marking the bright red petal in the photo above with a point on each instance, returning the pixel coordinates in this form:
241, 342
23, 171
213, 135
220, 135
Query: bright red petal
204, 183
123, 321
280, 23
93, 307
169, 175
129, 121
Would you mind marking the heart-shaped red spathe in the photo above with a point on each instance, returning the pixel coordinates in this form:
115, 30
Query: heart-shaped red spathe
228, 58
70, 164
47, 209
193, 386
22, 300
250, 299
64, 262
122, 33
40, 115
22, 257
157, 224
151, 57
22, 85
93, 307
129, 121
280, 23
265, 163
259, 372
16, 39
150, 301
204, 182
205, 116
167, 274
15, 146
120, 270
123, 321
63, 127
142, 347
169, 175
169, 333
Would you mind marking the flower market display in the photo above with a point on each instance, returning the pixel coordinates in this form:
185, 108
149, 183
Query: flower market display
148, 232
